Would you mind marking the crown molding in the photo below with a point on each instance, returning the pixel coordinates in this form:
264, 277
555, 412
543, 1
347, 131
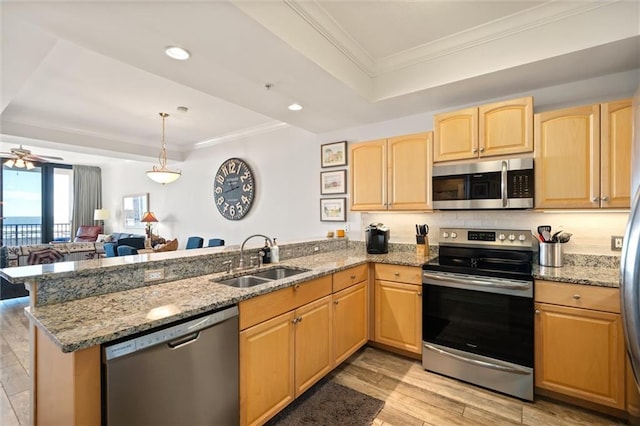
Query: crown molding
244, 133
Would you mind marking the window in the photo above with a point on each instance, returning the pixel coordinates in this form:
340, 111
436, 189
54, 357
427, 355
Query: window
36, 204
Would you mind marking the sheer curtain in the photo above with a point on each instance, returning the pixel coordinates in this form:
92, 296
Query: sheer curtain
87, 195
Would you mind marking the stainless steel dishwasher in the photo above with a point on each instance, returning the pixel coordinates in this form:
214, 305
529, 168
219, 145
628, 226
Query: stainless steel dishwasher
186, 374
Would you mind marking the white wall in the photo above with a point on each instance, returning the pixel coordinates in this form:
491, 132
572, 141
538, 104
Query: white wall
286, 163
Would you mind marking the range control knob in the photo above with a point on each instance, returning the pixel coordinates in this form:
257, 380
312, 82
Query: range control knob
512, 237
521, 237
454, 235
502, 237
445, 235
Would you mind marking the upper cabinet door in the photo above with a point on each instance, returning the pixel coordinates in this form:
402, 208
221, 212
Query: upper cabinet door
368, 175
410, 172
456, 135
567, 156
616, 124
506, 127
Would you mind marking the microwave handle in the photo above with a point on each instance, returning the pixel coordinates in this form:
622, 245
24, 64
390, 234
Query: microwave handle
503, 184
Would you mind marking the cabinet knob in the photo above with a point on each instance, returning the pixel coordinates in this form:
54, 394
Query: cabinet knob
295, 320
576, 296
474, 150
353, 277
595, 199
482, 149
296, 286
397, 274
299, 319
335, 302
605, 198
537, 311
420, 293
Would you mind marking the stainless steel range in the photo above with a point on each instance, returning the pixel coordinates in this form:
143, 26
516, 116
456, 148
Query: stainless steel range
477, 322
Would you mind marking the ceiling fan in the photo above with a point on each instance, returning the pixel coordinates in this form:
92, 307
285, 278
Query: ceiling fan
22, 158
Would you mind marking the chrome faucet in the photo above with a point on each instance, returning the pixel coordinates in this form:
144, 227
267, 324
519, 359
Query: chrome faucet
241, 261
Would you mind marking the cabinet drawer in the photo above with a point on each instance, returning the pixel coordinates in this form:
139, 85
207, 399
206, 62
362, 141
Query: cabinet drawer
605, 299
347, 278
261, 308
399, 273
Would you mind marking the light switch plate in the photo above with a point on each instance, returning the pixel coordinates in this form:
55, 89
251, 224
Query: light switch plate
616, 242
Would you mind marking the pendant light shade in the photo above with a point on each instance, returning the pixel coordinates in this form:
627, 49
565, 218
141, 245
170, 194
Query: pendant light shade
162, 174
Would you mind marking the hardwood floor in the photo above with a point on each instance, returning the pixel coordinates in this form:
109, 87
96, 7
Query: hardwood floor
413, 397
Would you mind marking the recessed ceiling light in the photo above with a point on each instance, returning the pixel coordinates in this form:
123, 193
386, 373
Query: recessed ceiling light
178, 53
295, 107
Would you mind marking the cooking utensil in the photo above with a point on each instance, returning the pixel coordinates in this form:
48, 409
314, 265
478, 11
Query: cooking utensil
545, 231
537, 236
425, 229
564, 237
554, 237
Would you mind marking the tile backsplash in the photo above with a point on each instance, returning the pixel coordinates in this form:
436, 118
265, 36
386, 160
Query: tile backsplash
591, 231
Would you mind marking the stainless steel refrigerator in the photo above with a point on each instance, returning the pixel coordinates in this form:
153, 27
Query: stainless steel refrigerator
630, 260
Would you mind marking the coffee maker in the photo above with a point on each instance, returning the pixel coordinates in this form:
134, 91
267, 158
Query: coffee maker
377, 238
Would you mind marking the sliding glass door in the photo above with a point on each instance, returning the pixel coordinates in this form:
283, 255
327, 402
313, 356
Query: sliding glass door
36, 204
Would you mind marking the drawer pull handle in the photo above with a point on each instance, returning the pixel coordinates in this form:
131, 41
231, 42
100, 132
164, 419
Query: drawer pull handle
576, 296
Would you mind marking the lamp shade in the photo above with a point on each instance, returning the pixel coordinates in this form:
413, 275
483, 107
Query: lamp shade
148, 217
100, 214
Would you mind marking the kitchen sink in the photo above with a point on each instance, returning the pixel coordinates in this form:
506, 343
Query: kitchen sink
261, 277
278, 273
244, 281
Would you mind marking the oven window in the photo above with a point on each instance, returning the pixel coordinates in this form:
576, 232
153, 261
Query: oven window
449, 188
494, 325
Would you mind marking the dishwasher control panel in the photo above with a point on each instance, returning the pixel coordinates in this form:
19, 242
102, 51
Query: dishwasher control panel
167, 334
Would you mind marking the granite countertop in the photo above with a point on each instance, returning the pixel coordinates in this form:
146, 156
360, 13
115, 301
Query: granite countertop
83, 323
574, 274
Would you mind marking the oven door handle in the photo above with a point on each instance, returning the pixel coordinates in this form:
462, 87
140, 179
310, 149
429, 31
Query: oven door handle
510, 286
503, 183
505, 368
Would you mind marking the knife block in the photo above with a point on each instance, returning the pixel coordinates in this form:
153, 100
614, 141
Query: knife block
422, 247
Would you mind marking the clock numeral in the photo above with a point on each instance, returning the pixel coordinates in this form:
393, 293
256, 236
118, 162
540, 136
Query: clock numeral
245, 199
239, 208
225, 207
232, 210
245, 176
219, 179
218, 190
220, 200
232, 167
224, 171
247, 187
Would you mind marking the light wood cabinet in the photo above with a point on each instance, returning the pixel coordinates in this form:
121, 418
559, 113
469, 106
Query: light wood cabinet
579, 351
583, 156
398, 307
349, 321
500, 128
392, 174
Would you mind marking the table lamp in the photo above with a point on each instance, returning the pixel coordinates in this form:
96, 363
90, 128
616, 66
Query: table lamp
149, 218
100, 215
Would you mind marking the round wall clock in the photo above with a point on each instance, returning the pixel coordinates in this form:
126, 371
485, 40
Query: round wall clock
234, 188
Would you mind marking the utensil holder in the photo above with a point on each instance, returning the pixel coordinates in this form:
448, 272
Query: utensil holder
550, 254
422, 247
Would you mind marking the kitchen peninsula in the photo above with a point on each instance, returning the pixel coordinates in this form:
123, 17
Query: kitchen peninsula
77, 306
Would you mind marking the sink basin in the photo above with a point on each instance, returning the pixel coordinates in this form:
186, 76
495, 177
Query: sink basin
261, 277
244, 281
278, 273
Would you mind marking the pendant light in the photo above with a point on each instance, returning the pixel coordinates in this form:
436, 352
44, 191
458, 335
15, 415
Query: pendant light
162, 174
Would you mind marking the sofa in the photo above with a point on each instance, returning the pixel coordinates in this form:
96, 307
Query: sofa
35, 254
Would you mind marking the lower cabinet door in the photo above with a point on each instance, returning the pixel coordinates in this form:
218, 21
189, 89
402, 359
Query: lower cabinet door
580, 353
349, 321
312, 324
398, 315
266, 369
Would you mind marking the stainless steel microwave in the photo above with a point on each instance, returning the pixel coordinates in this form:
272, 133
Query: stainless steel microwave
503, 184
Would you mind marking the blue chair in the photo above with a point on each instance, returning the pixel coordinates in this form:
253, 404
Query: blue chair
194, 242
215, 242
110, 249
126, 250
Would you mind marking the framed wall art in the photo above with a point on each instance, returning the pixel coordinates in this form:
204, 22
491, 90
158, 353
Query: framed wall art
333, 210
334, 154
334, 182
133, 207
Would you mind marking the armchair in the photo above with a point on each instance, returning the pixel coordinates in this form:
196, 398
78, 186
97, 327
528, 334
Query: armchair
194, 242
87, 233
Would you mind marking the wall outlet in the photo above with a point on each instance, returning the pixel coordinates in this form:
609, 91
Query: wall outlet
616, 242
346, 227
153, 275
